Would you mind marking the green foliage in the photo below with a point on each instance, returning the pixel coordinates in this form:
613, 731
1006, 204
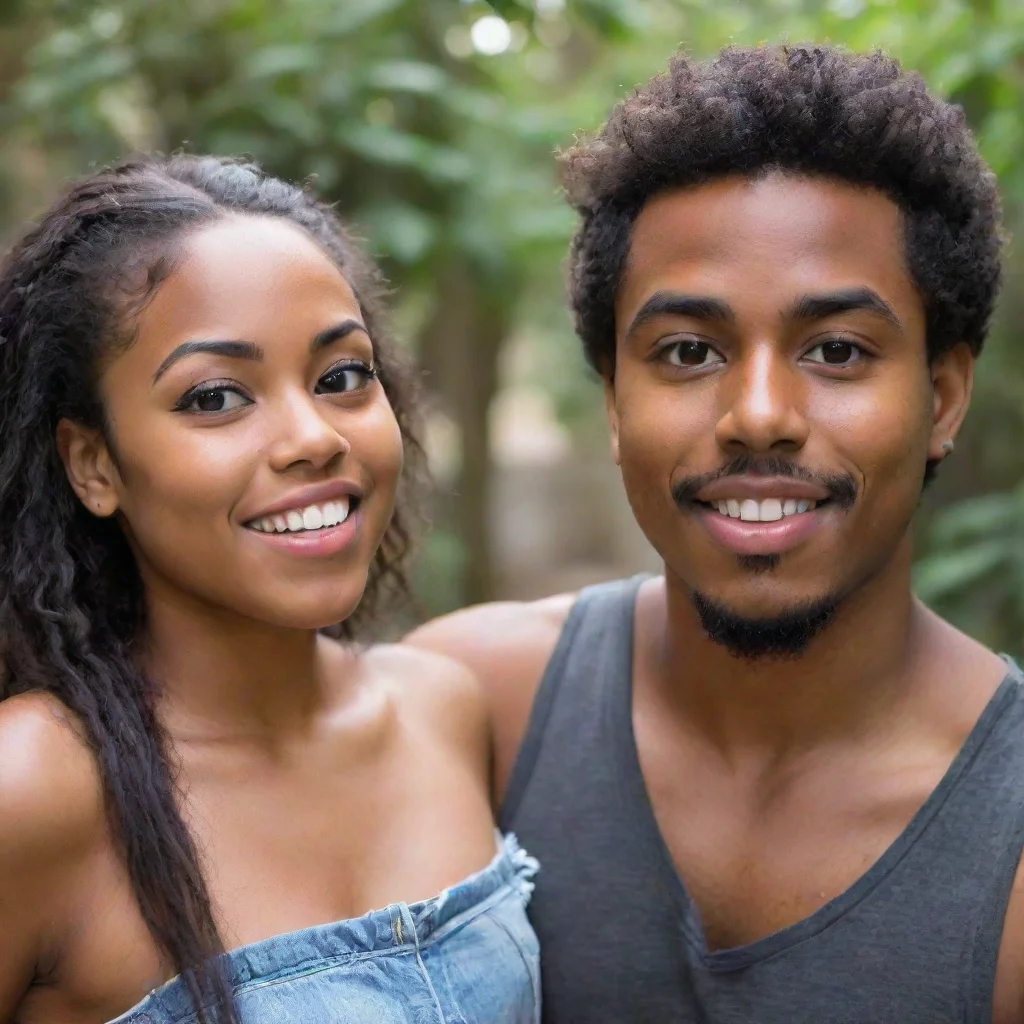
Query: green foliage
364, 95
442, 156
976, 570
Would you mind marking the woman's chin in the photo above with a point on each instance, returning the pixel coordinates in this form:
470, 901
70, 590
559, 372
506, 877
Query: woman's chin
310, 610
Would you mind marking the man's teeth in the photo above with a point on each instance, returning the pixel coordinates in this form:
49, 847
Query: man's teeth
770, 510
313, 517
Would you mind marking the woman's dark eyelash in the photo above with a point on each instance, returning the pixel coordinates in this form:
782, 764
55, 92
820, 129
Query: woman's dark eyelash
205, 388
370, 371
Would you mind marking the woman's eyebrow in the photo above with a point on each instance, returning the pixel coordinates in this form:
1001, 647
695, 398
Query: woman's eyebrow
232, 349
336, 333
249, 350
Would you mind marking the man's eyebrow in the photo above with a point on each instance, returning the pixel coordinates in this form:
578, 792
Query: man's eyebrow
232, 349
697, 307
847, 300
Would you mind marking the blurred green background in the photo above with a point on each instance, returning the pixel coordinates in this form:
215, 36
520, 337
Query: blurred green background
432, 124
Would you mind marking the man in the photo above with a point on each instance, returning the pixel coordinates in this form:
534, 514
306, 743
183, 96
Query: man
769, 786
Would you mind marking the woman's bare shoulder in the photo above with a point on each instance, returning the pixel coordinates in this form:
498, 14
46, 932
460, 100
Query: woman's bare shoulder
51, 797
51, 820
435, 689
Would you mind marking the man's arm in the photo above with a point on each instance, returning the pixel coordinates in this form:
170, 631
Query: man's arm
506, 645
1008, 995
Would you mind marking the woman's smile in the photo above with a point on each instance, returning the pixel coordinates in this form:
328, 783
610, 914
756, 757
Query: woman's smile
265, 412
315, 522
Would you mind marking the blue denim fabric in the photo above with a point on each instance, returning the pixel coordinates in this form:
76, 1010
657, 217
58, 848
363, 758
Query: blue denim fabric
467, 956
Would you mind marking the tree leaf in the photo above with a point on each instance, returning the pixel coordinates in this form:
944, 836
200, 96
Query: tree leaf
345, 18
945, 573
399, 230
976, 517
287, 58
510, 9
407, 76
385, 145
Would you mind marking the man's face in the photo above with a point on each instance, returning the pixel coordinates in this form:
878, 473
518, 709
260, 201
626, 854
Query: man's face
772, 406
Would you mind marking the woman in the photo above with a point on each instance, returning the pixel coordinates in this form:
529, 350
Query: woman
203, 432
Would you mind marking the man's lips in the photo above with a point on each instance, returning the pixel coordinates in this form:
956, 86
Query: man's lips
759, 488
765, 506
776, 537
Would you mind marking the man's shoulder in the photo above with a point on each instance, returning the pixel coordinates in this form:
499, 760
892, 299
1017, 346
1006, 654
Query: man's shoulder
506, 645
500, 639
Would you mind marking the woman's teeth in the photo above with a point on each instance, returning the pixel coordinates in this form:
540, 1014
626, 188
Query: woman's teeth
313, 517
770, 510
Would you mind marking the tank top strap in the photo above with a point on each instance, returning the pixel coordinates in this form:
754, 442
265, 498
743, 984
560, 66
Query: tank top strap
587, 675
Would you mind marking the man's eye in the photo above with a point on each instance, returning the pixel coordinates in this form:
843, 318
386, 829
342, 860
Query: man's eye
219, 399
836, 353
690, 354
344, 379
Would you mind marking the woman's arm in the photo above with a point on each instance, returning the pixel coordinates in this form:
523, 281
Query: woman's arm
50, 810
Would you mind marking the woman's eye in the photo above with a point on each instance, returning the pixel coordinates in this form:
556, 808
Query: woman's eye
221, 399
690, 354
344, 379
836, 353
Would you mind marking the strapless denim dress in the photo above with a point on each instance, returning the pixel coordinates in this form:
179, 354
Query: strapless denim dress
467, 956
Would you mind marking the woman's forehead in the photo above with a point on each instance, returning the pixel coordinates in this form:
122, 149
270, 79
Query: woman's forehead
246, 277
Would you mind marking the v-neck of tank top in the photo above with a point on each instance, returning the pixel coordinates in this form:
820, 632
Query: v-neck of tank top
735, 957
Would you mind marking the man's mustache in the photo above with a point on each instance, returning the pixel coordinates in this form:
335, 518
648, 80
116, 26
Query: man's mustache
842, 487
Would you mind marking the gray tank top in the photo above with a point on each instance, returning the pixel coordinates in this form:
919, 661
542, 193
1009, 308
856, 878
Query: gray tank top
913, 941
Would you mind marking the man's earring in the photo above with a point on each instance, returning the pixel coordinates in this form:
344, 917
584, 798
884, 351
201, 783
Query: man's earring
948, 446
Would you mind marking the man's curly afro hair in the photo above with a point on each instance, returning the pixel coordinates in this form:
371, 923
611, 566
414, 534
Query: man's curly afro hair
809, 110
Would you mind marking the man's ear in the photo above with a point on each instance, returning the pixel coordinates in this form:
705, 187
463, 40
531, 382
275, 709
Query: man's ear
952, 381
613, 415
91, 470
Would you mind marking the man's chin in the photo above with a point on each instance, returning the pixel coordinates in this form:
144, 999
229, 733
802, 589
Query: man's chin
785, 633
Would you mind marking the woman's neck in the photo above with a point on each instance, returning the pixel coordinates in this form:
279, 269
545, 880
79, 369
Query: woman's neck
222, 676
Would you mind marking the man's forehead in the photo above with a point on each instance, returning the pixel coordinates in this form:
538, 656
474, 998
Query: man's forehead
777, 232
777, 209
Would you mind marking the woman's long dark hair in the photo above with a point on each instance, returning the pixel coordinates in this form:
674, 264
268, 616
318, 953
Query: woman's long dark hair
71, 602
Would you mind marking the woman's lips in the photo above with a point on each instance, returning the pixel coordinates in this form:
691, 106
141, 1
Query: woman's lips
328, 540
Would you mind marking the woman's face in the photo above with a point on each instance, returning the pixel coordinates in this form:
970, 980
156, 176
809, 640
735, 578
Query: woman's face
255, 456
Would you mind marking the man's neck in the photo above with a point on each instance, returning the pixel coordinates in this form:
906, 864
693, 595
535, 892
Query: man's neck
854, 674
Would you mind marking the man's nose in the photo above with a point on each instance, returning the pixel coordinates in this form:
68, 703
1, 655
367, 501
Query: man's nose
762, 404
